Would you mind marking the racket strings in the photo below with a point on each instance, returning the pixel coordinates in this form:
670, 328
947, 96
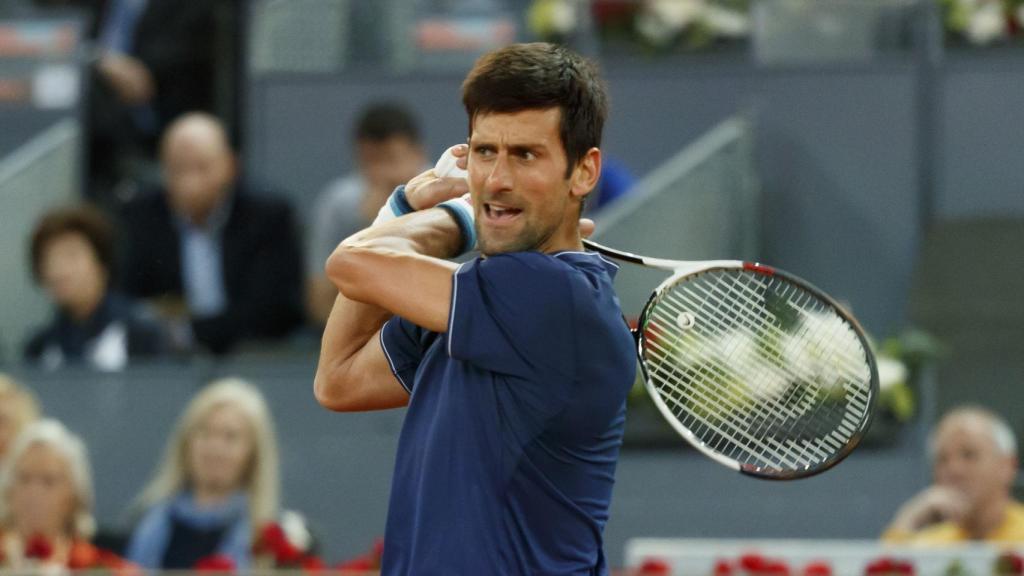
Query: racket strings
778, 369
738, 407
784, 401
737, 410
791, 394
723, 440
736, 379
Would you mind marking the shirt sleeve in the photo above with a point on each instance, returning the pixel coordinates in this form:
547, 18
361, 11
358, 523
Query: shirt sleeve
513, 314
403, 343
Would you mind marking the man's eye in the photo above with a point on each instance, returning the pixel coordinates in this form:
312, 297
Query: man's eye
482, 151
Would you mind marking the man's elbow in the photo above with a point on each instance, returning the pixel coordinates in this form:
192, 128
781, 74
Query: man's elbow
347, 270
329, 388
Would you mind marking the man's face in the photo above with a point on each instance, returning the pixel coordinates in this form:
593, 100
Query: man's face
387, 163
968, 461
198, 171
517, 179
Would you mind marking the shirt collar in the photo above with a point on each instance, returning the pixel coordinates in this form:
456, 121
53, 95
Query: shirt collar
215, 222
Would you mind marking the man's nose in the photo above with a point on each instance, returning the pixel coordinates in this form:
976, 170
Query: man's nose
501, 177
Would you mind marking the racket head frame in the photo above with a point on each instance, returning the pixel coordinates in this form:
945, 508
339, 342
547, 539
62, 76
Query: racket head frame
686, 269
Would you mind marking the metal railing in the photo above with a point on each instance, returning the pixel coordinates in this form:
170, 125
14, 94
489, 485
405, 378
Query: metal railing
40, 174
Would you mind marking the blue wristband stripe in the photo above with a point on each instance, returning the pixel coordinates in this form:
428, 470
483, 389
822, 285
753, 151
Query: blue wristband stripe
398, 203
464, 219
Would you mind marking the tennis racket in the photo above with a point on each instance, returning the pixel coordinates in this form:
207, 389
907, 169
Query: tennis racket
756, 368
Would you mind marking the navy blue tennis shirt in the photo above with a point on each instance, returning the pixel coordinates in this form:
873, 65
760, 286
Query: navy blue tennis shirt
507, 456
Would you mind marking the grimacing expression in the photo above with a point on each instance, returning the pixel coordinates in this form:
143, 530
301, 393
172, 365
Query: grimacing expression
41, 497
968, 460
517, 179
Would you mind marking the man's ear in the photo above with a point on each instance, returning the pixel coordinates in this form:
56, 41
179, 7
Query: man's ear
586, 174
1010, 469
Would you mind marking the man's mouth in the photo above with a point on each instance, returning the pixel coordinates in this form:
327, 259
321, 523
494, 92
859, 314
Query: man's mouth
500, 213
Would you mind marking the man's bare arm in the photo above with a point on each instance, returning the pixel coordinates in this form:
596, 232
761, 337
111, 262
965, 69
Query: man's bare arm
394, 268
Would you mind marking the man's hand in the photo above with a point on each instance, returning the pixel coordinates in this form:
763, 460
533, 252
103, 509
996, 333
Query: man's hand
428, 189
930, 506
129, 77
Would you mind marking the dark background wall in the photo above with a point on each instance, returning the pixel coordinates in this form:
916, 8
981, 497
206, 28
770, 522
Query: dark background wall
836, 149
850, 166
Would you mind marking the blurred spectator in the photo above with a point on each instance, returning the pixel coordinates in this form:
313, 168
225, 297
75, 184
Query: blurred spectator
156, 60
18, 409
388, 153
974, 458
217, 485
46, 503
224, 261
72, 258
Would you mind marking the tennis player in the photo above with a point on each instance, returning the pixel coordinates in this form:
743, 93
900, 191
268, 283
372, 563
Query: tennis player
515, 365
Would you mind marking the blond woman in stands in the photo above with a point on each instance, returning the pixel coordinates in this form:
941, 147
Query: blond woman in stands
46, 504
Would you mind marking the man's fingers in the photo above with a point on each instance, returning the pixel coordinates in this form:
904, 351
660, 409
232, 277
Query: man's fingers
461, 153
587, 227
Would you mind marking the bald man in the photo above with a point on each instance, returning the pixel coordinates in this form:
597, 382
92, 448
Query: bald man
226, 259
974, 458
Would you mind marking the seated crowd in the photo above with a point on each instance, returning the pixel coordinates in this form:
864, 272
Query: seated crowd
212, 502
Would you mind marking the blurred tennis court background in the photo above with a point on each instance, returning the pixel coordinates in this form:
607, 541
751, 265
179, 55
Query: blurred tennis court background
853, 143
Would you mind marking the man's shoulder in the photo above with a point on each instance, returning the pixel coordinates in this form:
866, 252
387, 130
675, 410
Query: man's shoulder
1014, 524
557, 263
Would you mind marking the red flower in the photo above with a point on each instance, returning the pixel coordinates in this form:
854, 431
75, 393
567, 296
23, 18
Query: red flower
275, 541
757, 564
83, 556
612, 10
39, 548
723, 568
752, 562
313, 564
1009, 563
215, 563
817, 569
885, 566
655, 567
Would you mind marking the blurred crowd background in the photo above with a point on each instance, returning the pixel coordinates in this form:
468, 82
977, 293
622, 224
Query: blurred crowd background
173, 176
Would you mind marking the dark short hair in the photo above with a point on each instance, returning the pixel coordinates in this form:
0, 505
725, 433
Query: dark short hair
386, 120
539, 76
82, 219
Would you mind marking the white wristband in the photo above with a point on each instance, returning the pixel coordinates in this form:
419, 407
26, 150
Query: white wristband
396, 206
462, 211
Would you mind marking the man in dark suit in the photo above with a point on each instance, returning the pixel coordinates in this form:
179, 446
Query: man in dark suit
156, 59
206, 249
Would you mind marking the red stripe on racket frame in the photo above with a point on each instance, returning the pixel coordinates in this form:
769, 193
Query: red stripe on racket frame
759, 268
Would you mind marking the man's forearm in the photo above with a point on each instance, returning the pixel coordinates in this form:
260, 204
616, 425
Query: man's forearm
430, 233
